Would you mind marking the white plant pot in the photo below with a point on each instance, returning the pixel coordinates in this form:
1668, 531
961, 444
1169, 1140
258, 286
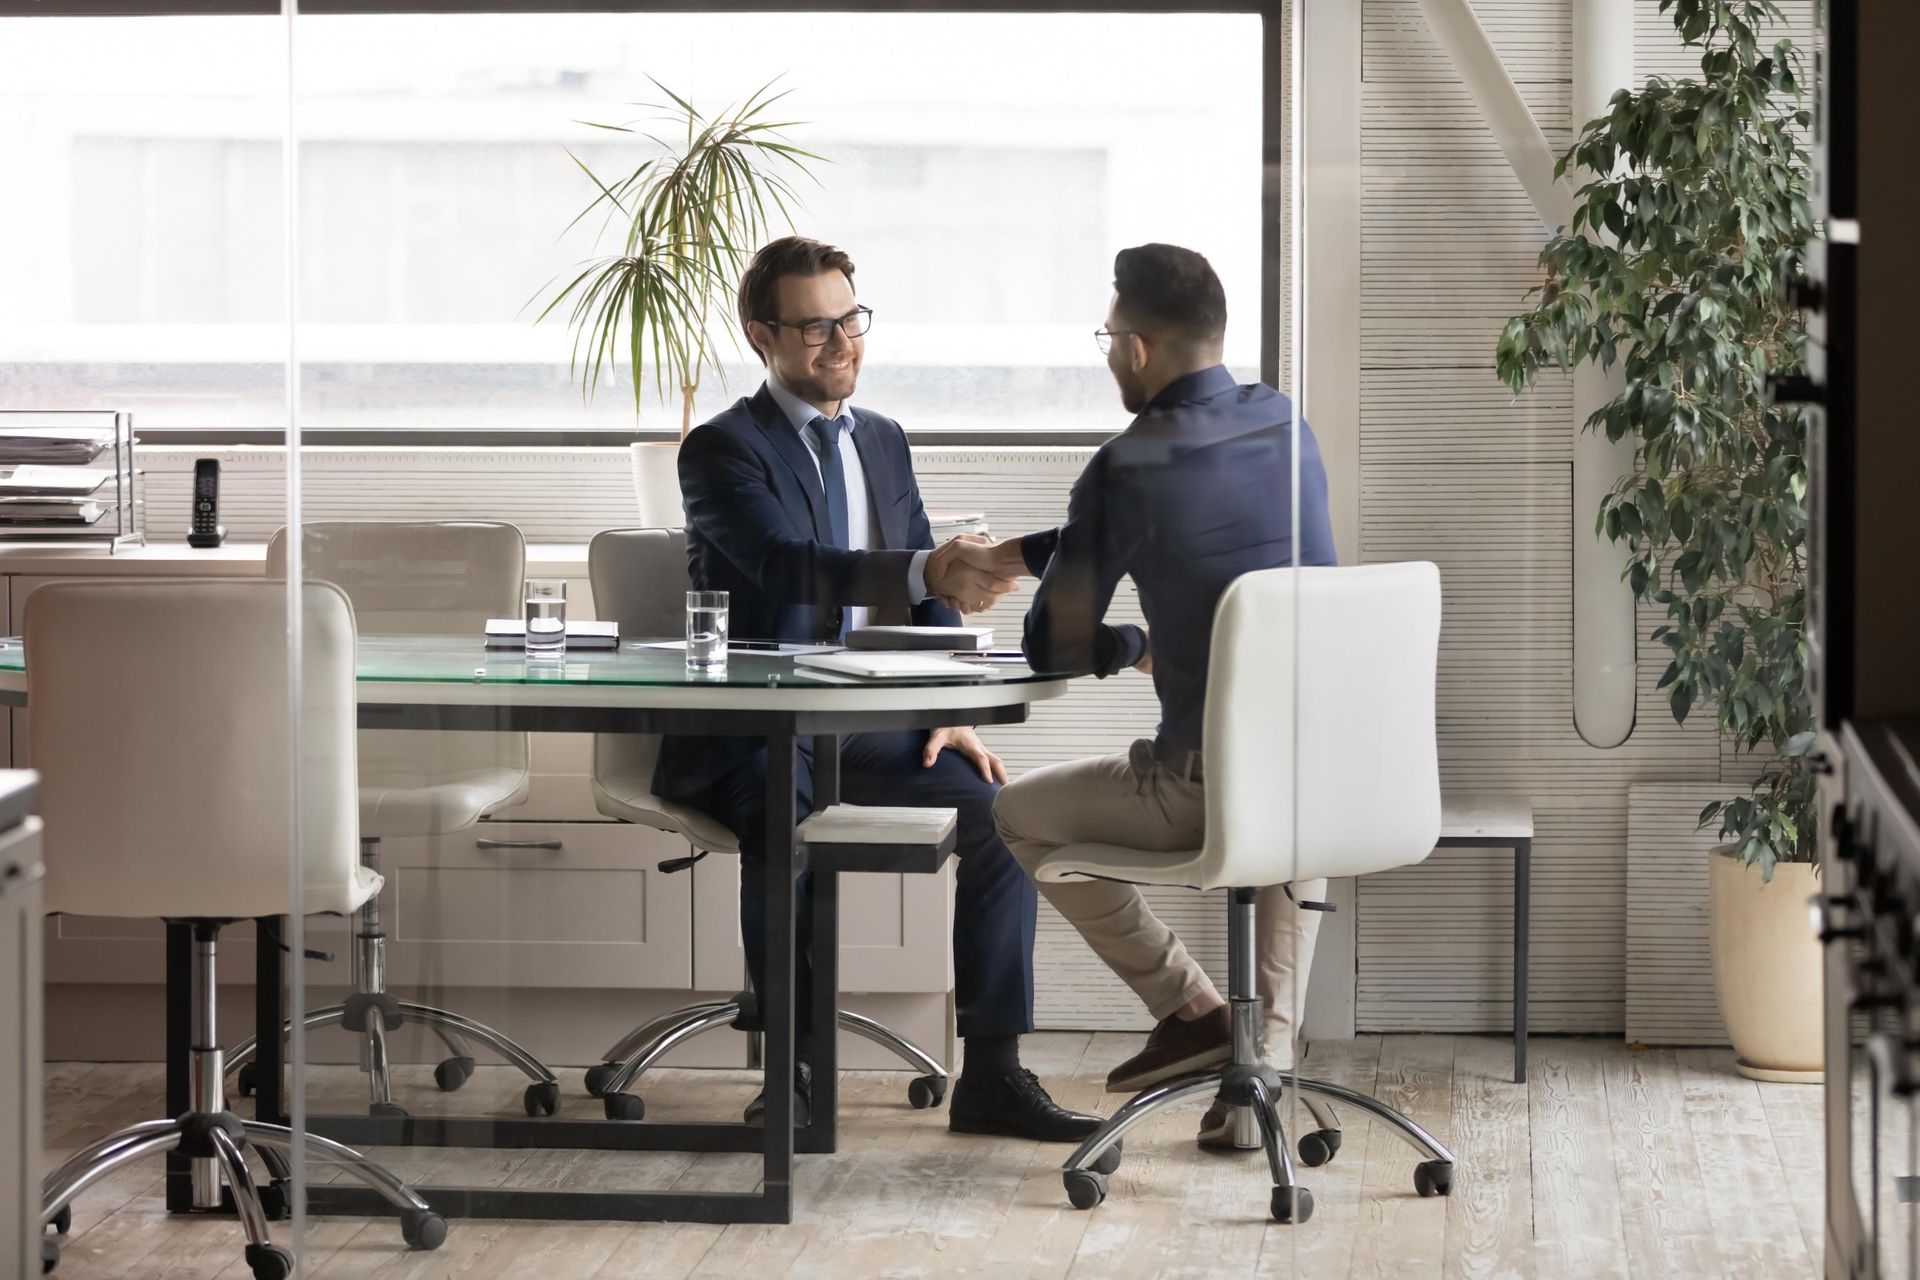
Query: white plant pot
1766, 967
656, 484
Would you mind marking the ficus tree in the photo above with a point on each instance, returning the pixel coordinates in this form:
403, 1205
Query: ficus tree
1676, 265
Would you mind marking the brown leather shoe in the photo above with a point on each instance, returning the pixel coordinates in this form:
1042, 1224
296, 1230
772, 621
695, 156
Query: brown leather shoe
1216, 1128
1175, 1048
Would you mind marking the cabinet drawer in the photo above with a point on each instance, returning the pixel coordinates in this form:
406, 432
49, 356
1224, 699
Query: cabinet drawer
537, 904
895, 930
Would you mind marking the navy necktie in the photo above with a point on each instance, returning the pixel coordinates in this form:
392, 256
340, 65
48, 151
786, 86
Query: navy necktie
833, 475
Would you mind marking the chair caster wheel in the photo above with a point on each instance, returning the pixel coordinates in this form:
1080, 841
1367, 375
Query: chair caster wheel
453, 1073
625, 1106
387, 1110
600, 1076
1433, 1178
424, 1230
247, 1082
1318, 1147
276, 1200
63, 1220
1085, 1187
269, 1261
542, 1098
1292, 1204
1109, 1160
926, 1091
49, 1255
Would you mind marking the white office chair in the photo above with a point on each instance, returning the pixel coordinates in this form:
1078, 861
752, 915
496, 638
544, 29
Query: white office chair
1321, 761
160, 732
640, 580
408, 577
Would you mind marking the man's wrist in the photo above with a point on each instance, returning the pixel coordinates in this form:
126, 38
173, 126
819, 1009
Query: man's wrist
917, 577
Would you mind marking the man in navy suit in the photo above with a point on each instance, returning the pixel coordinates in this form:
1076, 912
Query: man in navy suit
805, 510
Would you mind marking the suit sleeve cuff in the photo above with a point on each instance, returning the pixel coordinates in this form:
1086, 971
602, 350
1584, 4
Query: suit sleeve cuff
1037, 550
1131, 647
917, 577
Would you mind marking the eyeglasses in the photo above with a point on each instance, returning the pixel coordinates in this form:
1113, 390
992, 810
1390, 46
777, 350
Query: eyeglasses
819, 332
1103, 338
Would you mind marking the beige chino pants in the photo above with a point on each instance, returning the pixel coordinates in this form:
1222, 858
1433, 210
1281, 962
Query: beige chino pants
1107, 801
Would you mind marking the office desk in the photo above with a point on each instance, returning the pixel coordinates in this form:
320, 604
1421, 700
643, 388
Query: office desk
433, 683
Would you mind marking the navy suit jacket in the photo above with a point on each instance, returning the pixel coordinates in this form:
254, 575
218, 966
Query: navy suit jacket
757, 529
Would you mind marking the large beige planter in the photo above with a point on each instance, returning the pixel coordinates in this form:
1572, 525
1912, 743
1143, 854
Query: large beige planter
1766, 967
656, 485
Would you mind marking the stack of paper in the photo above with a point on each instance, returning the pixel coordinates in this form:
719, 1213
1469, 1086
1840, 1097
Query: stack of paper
55, 444
48, 511
51, 482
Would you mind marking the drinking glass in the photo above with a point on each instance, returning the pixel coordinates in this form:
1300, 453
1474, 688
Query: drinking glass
706, 631
546, 615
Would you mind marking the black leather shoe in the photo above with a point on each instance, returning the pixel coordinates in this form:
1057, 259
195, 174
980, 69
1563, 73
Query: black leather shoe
1014, 1106
756, 1112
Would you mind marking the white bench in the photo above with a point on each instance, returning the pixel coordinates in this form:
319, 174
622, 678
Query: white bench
1501, 822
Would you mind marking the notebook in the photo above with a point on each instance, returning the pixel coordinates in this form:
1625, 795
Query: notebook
887, 666
511, 633
941, 639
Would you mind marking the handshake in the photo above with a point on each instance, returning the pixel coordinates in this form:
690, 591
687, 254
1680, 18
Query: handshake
971, 573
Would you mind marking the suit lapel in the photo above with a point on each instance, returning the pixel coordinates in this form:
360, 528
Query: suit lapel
883, 487
786, 442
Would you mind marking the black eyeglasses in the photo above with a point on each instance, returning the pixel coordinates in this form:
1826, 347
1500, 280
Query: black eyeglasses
819, 332
1103, 338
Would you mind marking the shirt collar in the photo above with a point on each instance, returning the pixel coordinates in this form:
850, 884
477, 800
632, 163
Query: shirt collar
1194, 386
799, 412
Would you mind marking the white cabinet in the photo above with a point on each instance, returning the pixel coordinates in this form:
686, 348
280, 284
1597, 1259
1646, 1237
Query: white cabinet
536, 904
893, 930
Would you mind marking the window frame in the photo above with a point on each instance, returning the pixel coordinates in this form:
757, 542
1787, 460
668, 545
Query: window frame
1273, 130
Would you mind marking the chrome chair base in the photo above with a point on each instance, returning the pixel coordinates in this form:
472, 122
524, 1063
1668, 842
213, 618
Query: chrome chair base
1254, 1090
613, 1079
373, 1013
217, 1140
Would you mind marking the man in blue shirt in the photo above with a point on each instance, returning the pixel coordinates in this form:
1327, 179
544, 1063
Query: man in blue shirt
1198, 490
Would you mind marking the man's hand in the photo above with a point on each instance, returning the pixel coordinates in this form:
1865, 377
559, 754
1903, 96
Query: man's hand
968, 744
969, 573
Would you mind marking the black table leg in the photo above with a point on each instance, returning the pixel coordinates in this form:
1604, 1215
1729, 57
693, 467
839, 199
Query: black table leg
269, 1016
1522, 928
824, 1002
777, 1179
179, 1046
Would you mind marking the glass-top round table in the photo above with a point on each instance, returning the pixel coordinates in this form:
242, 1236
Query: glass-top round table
436, 682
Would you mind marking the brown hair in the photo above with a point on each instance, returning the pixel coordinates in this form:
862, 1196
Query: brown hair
787, 256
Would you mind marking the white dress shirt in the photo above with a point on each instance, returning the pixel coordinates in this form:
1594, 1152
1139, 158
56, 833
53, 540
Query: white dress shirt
860, 522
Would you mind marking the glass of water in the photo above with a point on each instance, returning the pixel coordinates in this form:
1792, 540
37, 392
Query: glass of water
546, 616
706, 631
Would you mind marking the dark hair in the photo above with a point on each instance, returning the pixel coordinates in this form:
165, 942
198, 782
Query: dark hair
1162, 287
787, 256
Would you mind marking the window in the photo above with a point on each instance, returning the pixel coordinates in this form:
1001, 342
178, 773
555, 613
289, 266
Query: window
982, 194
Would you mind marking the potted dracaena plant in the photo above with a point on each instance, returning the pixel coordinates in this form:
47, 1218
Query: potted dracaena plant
687, 219
1677, 263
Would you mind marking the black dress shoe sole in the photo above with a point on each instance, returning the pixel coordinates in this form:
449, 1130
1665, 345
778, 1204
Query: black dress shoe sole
755, 1115
999, 1128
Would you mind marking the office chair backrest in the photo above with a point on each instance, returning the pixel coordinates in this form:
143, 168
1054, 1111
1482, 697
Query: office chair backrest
160, 731
414, 577
640, 581
419, 577
1320, 741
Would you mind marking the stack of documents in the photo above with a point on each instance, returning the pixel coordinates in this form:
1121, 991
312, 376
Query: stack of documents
940, 639
582, 633
54, 444
63, 511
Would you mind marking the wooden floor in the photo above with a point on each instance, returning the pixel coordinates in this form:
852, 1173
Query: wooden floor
1660, 1164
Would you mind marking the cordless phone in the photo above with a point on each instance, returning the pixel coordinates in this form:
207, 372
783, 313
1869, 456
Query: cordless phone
206, 530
